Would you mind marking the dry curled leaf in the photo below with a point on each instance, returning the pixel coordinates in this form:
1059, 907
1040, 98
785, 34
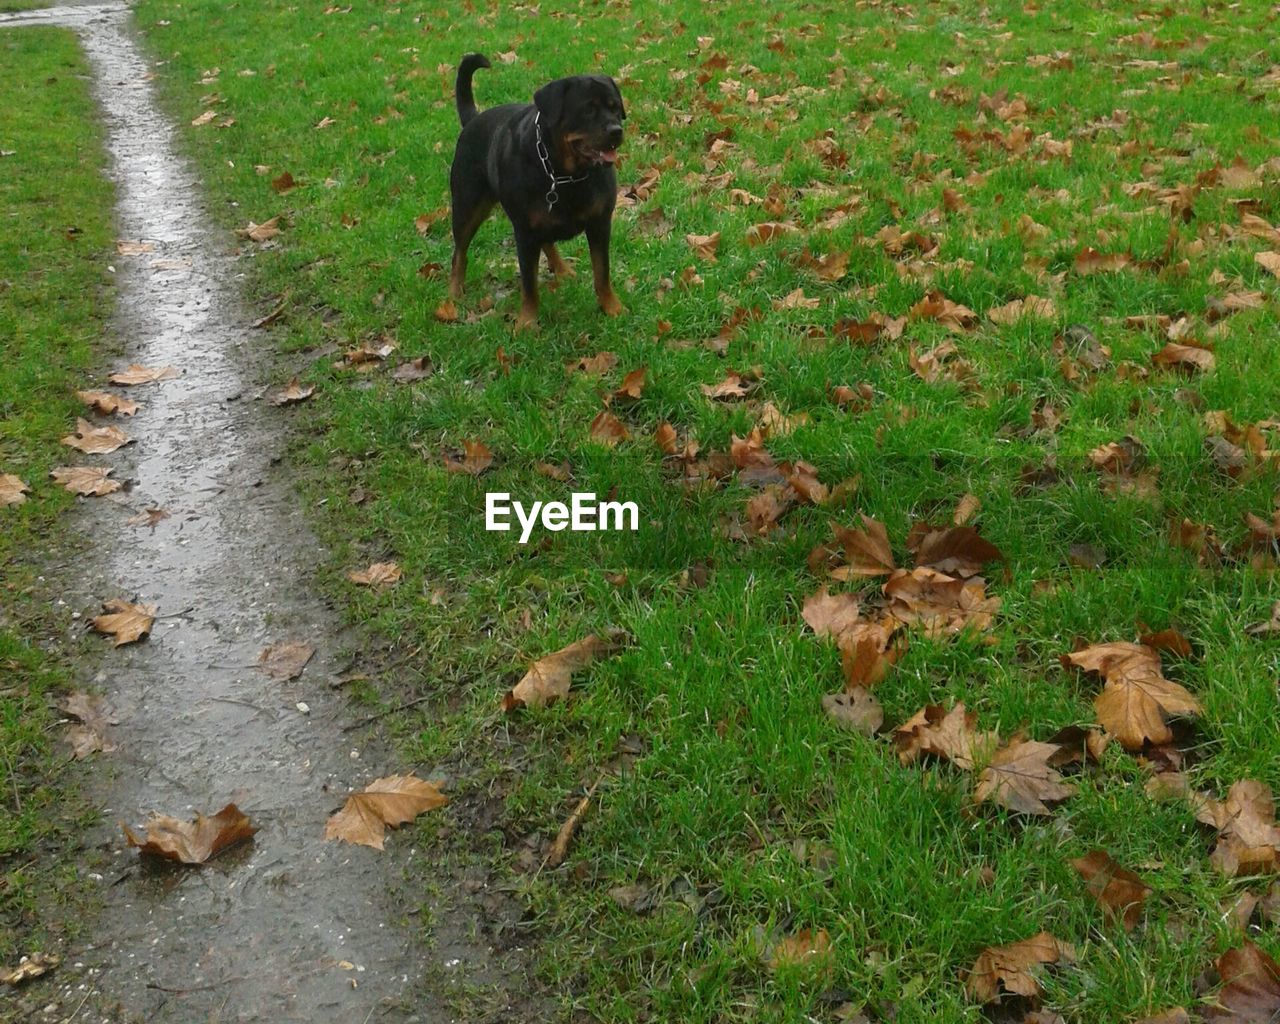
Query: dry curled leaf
96, 440
378, 575
12, 490
1118, 890
1021, 777
1248, 838
30, 966
1250, 992
392, 800
285, 661
1009, 968
476, 458
1136, 702
126, 622
856, 709
804, 947
137, 374
831, 614
607, 429
866, 551
192, 842
86, 480
263, 232
549, 677
955, 550
95, 719
292, 393
952, 735
107, 404
942, 605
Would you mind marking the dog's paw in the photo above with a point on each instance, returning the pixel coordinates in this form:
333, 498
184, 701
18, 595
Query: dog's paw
610, 305
526, 322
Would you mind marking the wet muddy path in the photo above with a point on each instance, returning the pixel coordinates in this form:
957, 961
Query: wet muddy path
288, 927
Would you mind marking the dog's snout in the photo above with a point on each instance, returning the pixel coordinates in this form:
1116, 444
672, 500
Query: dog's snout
613, 133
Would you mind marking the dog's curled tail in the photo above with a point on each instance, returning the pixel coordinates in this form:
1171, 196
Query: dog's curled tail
462, 90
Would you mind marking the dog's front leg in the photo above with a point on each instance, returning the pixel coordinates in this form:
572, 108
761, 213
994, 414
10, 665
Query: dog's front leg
598, 231
528, 252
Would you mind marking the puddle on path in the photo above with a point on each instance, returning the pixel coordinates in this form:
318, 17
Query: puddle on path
289, 927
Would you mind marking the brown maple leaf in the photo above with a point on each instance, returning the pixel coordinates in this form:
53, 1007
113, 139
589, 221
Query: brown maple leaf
955, 550
831, 614
704, 246
12, 490
392, 800
1009, 968
1032, 306
549, 677
475, 459
413, 370
126, 622
1250, 992
1248, 840
135, 373
951, 735
96, 440
941, 604
293, 393
733, 386
107, 404
285, 661
607, 429
95, 719
1136, 702
1118, 890
1188, 356
936, 306
599, 364
855, 709
1021, 777
868, 651
86, 480
866, 550
192, 842
632, 384
379, 575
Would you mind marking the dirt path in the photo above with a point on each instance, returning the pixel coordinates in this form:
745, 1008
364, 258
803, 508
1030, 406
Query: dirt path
289, 927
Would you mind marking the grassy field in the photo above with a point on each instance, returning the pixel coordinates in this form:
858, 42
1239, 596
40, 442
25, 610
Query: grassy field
1113, 159
57, 228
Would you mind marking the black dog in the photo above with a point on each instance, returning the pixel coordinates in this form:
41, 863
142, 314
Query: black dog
550, 165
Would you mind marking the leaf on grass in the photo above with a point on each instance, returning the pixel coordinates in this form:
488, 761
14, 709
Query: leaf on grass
607, 429
392, 800
1248, 839
1009, 968
476, 458
937, 307
96, 440
292, 393
285, 661
1032, 305
1269, 261
135, 373
1021, 777
704, 246
192, 842
856, 710
804, 947
1187, 356
378, 575
1118, 890
1090, 261
31, 966
86, 480
632, 384
413, 370
941, 604
955, 550
732, 387
866, 551
548, 678
1136, 702
1250, 992
831, 614
107, 404
598, 364
866, 654
951, 735
126, 622
12, 490
95, 719
263, 232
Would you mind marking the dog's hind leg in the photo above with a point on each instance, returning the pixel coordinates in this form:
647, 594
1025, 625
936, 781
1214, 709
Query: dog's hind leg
555, 262
598, 241
469, 212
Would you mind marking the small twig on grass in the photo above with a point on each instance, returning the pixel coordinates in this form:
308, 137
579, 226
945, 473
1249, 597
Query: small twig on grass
560, 848
390, 711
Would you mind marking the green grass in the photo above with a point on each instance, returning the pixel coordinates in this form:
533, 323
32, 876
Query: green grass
57, 228
747, 809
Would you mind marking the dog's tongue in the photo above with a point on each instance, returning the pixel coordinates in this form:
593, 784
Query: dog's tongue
609, 156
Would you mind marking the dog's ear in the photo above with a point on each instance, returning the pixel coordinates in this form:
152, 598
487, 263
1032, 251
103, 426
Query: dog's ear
550, 101
617, 95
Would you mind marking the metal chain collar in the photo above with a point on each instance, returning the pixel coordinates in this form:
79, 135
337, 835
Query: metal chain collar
556, 179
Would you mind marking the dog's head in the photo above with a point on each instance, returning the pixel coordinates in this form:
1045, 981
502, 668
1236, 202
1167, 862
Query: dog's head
582, 119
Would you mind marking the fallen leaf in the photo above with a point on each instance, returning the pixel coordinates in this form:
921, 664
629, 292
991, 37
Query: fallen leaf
292, 393
856, 710
86, 480
632, 384
1090, 261
263, 232
378, 575
192, 842
1119, 891
392, 800
446, 312
704, 246
285, 661
607, 429
1190, 357
831, 614
476, 458
107, 404
599, 364
549, 677
1269, 261
1009, 968
283, 183
955, 550
805, 946
941, 604
936, 306
1032, 305
1021, 777
126, 622
413, 370
12, 490
128, 247
1249, 840
866, 550
733, 386
1136, 702
151, 517
96, 440
137, 374
1250, 992
951, 735
95, 719
560, 847
31, 966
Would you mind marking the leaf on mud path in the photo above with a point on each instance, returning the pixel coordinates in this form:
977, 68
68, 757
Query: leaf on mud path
96, 440
31, 966
378, 575
1120, 892
263, 232
107, 404
126, 622
952, 735
292, 393
1009, 968
128, 247
607, 429
1250, 992
392, 800
285, 661
1136, 702
866, 551
941, 604
1187, 356
856, 710
192, 842
86, 480
1020, 776
135, 373
94, 717
956, 550
831, 614
12, 490
476, 458
151, 517
548, 678
1249, 840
